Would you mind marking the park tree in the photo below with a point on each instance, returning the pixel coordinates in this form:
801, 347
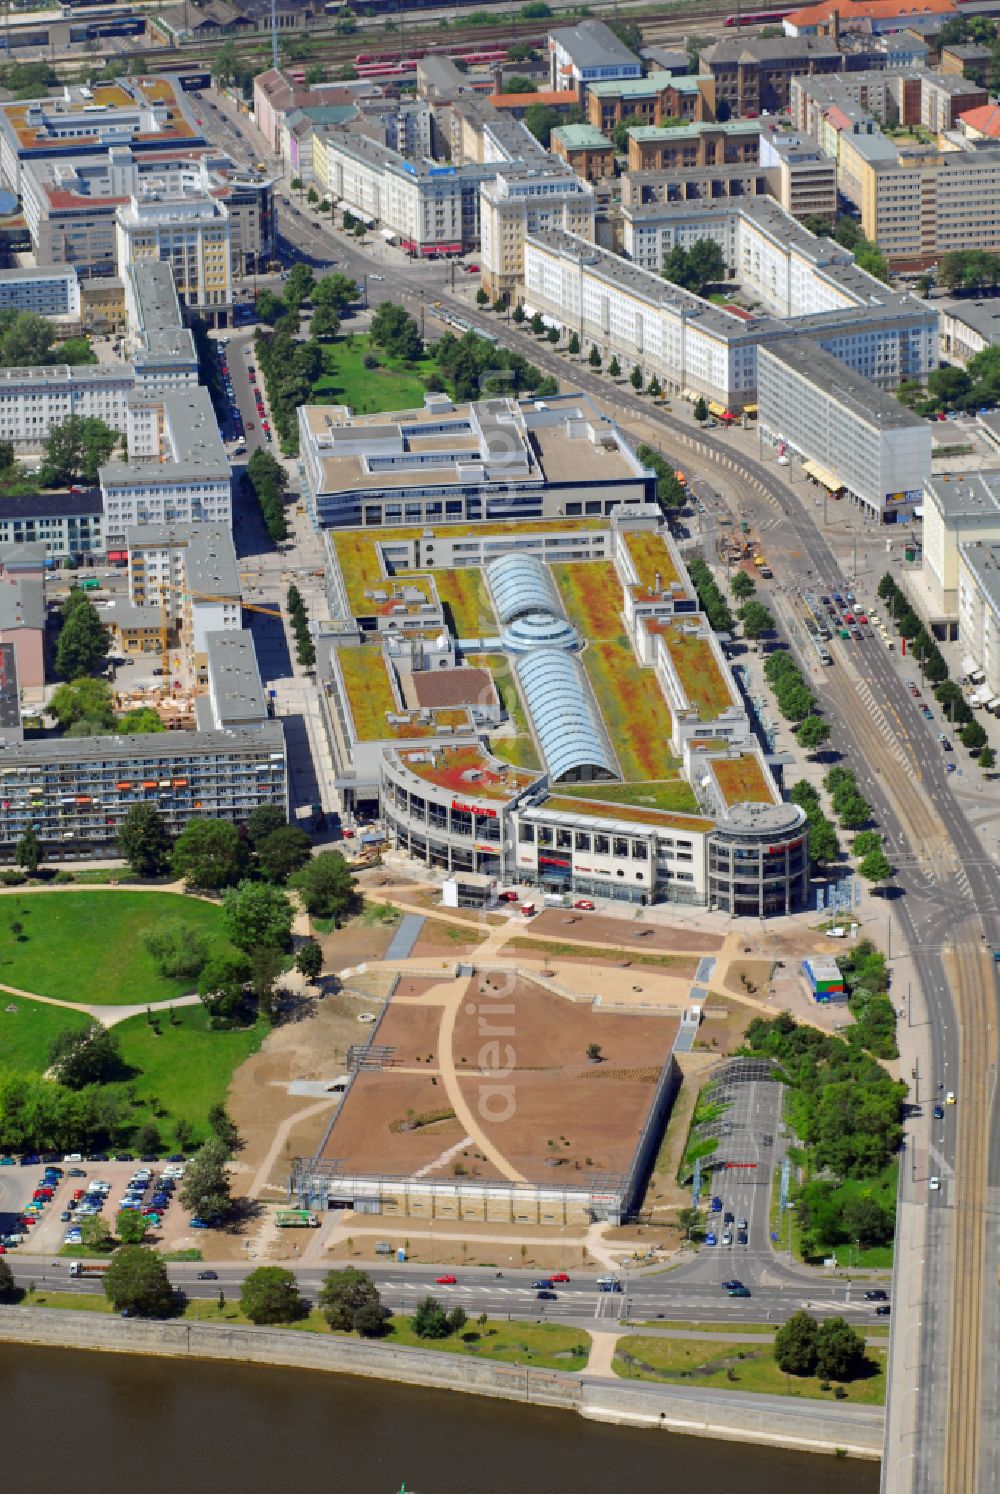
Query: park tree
210, 854
795, 1345
309, 959
813, 732
178, 951
82, 646
336, 291
840, 1351
95, 1233
690, 1221
324, 323
343, 1293
866, 1220
8, 1286
270, 307
137, 1281
326, 886
78, 1057
28, 851
282, 852
255, 915
266, 965
266, 817
205, 1189
371, 1320
144, 841
130, 1226
146, 1140
143, 721
223, 1128
270, 1295
74, 450
222, 983
695, 268
395, 330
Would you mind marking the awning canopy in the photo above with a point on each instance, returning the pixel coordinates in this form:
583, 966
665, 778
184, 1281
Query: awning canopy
823, 475
714, 408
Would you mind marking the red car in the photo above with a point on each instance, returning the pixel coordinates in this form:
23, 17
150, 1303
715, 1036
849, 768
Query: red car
249, 425
584, 904
446, 1281
508, 897
559, 1276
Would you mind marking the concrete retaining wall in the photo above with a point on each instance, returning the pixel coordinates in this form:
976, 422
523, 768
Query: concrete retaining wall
802, 1425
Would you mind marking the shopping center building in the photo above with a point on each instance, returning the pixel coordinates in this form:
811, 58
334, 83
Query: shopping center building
543, 703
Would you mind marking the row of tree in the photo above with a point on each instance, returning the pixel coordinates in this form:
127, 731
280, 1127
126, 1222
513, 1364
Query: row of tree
934, 669
710, 597
671, 494
305, 649
269, 481
824, 847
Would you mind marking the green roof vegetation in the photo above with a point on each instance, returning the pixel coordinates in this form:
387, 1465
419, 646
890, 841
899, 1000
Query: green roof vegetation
701, 678
598, 808
742, 780
466, 601
673, 795
371, 699
651, 557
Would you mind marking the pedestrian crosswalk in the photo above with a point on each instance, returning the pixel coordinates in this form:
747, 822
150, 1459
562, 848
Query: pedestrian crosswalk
879, 717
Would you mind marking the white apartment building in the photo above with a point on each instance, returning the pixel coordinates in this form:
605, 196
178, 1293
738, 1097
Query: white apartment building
979, 615
33, 400
161, 348
51, 292
852, 436
192, 235
177, 472
961, 511
697, 348
433, 209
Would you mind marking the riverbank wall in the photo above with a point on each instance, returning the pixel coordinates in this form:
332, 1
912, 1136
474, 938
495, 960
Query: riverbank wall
802, 1425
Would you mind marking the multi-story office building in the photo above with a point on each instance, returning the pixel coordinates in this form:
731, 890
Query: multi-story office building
752, 76
192, 235
70, 201
961, 509
77, 792
585, 150
495, 459
800, 177
33, 400
177, 471
587, 53
853, 437
49, 292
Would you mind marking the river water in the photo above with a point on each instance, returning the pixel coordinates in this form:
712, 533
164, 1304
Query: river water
71, 1420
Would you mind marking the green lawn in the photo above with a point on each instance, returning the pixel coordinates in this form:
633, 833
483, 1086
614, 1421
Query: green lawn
734, 1366
184, 1067
346, 381
26, 1031
88, 946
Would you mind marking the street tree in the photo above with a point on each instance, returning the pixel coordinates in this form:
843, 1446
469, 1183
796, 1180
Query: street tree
875, 867
336, 291
813, 732
635, 378
756, 620
205, 1189
256, 915
282, 852
430, 1319
343, 1293
987, 758
742, 586
130, 1226
595, 356
137, 1280
144, 841
615, 368
309, 959
865, 842
840, 1351
326, 885
973, 736
210, 854
690, 1221
28, 851
270, 1295
573, 346
795, 1344
700, 411
824, 847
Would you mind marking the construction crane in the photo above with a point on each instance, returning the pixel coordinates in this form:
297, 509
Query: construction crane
201, 596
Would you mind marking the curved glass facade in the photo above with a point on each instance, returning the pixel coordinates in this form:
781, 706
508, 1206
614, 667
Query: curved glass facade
566, 722
520, 584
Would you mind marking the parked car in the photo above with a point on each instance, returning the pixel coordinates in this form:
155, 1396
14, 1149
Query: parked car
584, 904
742, 1238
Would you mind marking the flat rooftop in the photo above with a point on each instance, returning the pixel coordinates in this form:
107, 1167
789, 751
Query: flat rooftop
467, 770
742, 780
620, 814
852, 391
653, 560
210, 563
969, 496
571, 1123
376, 712
139, 110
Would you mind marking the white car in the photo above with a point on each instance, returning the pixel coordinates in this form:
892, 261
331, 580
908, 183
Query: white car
934, 1184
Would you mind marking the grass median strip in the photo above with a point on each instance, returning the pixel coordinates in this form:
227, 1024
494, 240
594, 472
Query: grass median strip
746, 1366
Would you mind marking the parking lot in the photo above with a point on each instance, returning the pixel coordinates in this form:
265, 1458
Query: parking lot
60, 1194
